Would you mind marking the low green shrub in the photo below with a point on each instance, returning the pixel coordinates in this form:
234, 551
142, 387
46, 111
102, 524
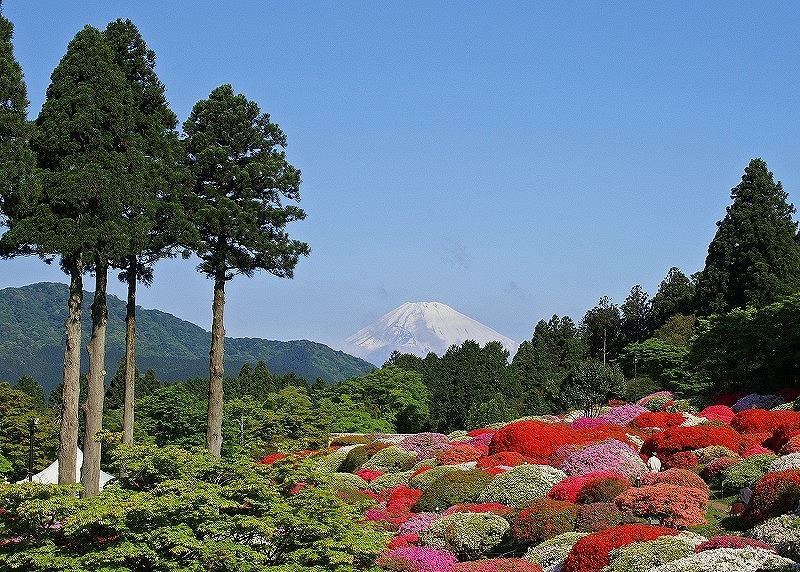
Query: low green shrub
452, 488
468, 535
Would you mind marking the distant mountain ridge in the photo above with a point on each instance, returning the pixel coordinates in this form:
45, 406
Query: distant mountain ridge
32, 337
420, 328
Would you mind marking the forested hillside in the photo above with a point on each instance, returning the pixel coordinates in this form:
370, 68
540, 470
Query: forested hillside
32, 326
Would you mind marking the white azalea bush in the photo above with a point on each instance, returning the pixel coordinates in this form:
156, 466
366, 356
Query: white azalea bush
521, 485
782, 532
730, 560
551, 553
469, 535
790, 461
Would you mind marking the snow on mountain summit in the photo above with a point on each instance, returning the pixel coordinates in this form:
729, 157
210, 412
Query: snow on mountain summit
419, 328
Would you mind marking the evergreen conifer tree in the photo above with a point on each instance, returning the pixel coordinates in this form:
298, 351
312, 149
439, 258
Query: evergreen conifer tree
754, 258
240, 177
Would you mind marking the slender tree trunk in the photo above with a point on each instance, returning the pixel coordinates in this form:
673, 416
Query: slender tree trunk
216, 371
130, 354
93, 407
70, 393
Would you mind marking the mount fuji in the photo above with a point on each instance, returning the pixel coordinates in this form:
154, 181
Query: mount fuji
419, 328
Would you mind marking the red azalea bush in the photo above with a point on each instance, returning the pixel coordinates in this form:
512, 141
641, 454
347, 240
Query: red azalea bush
461, 453
731, 542
673, 505
269, 459
492, 507
482, 431
676, 439
597, 516
713, 470
775, 493
497, 565
659, 420
535, 439
603, 489
544, 519
506, 459
781, 436
763, 421
681, 460
369, 474
494, 471
718, 413
727, 399
791, 446
569, 488
593, 552
398, 502
680, 477
402, 540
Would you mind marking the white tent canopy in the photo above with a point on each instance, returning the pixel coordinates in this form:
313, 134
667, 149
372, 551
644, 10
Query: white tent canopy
49, 476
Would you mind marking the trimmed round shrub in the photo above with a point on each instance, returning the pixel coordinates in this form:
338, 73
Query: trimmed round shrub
718, 413
461, 453
681, 460
569, 488
344, 481
624, 414
756, 401
747, 470
782, 532
673, 505
715, 469
359, 455
591, 553
610, 455
544, 519
602, 489
423, 479
425, 445
390, 480
656, 401
761, 421
791, 461
453, 488
535, 439
724, 559
550, 554
493, 507
597, 516
775, 494
391, 459
642, 556
498, 565
469, 535
680, 477
417, 559
521, 485
505, 459
331, 462
658, 420
731, 542
675, 439
708, 454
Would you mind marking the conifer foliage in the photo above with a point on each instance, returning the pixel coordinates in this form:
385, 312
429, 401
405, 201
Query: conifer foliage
754, 258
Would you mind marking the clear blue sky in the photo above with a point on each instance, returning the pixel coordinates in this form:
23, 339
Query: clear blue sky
512, 160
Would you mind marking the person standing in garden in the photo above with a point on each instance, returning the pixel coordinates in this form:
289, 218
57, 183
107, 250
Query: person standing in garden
653, 463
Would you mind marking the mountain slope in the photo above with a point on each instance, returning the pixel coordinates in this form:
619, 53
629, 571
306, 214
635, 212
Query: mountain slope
420, 328
32, 332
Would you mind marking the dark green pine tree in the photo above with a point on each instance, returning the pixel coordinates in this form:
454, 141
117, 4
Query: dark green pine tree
675, 296
85, 160
635, 316
754, 258
601, 330
153, 201
241, 177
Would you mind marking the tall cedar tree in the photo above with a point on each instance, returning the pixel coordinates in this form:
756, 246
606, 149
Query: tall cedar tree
84, 150
635, 316
153, 204
240, 176
601, 330
754, 258
675, 296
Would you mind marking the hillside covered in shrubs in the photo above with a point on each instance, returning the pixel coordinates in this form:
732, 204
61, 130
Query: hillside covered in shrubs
565, 493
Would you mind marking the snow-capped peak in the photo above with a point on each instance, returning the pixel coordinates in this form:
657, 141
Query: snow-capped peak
420, 328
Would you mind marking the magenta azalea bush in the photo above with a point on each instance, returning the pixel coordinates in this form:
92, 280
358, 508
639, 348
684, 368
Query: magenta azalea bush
425, 445
418, 559
623, 414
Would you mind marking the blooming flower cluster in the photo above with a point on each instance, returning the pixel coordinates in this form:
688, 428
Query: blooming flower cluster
597, 516
611, 455
425, 445
782, 532
756, 401
624, 414
775, 494
521, 485
673, 505
642, 556
551, 554
658, 420
726, 541
680, 477
570, 487
729, 560
718, 413
790, 461
418, 559
591, 553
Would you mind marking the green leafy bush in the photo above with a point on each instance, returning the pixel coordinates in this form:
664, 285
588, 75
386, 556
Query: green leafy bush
424, 480
390, 459
642, 556
544, 519
390, 480
748, 470
360, 454
453, 488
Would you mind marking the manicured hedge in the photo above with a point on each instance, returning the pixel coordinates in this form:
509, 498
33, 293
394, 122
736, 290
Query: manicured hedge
453, 488
543, 520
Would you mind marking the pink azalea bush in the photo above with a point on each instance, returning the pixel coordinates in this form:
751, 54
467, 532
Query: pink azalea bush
418, 559
624, 414
610, 455
673, 505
